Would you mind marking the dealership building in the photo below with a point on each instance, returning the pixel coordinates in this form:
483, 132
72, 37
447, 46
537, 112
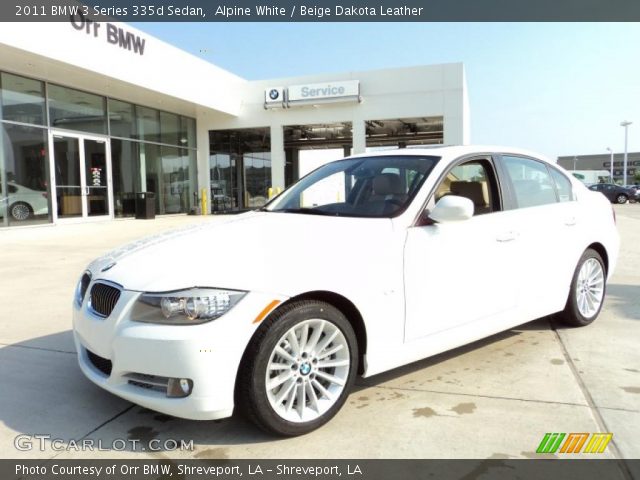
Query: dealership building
94, 113
602, 163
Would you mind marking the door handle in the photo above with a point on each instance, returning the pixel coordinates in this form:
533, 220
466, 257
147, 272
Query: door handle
570, 222
507, 236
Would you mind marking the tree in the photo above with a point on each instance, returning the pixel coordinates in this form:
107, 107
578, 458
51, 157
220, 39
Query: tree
636, 177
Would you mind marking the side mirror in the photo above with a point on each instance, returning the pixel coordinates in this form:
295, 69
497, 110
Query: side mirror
452, 208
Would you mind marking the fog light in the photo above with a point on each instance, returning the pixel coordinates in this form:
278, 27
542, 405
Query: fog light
179, 387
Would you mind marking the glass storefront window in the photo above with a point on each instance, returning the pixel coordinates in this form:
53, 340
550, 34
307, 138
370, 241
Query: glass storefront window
122, 119
24, 176
138, 162
257, 178
125, 165
22, 99
222, 176
175, 190
187, 132
148, 121
76, 110
169, 128
151, 172
239, 168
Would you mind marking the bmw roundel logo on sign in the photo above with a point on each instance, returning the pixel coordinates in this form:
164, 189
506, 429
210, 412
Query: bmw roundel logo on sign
274, 94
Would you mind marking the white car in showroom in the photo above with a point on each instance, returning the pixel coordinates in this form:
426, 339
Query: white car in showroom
23, 203
365, 264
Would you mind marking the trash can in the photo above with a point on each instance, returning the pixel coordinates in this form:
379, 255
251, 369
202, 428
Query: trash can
146, 205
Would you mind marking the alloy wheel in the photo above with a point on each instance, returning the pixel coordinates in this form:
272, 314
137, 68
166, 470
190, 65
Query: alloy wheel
590, 287
307, 370
20, 211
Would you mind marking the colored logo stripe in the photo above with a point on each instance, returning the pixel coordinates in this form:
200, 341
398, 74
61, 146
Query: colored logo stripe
598, 442
574, 443
550, 442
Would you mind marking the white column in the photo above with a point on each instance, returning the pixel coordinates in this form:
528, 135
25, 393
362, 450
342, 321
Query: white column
359, 137
202, 161
277, 156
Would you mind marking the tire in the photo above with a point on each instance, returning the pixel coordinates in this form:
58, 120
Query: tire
622, 199
312, 394
20, 211
585, 299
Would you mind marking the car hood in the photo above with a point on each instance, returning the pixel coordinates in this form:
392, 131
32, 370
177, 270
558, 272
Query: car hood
256, 251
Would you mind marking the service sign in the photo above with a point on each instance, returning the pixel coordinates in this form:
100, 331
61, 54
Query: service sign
322, 92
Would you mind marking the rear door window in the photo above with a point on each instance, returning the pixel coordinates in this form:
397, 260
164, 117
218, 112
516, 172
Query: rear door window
563, 185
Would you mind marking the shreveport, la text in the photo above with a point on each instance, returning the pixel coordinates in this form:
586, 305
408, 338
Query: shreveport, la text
280, 469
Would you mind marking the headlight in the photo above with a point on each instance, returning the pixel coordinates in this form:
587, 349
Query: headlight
185, 307
81, 288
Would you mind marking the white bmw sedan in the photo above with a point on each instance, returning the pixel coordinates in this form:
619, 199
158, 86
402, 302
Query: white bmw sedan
365, 264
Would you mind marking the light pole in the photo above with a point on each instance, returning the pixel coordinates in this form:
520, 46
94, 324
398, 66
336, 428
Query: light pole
611, 174
625, 124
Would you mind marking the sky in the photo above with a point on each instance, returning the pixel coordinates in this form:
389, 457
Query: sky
555, 88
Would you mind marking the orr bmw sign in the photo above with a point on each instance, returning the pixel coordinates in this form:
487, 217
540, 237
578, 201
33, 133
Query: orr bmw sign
312, 94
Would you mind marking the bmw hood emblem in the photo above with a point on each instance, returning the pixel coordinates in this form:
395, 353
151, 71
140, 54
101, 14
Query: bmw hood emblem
108, 266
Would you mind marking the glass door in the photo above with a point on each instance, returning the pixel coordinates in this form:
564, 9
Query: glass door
96, 176
68, 177
80, 176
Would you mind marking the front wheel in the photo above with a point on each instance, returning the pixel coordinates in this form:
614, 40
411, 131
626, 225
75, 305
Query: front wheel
587, 291
298, 368
621, 199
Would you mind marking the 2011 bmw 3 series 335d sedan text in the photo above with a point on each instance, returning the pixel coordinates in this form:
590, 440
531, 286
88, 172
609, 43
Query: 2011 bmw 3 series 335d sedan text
365, 264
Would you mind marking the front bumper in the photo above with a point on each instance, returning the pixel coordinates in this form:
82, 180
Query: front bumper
208, 354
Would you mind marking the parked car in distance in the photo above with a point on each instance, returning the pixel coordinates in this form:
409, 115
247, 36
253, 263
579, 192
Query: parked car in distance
615, 193
356, 269
635, 191
23, 203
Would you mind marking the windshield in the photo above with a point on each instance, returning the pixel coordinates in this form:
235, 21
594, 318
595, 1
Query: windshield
381, 186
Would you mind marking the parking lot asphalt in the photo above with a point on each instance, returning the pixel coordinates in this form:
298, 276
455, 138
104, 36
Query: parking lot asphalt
495, 398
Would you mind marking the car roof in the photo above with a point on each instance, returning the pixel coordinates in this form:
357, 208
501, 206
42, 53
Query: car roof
455, 151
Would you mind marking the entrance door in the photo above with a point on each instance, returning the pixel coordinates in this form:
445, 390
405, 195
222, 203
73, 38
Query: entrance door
81, 171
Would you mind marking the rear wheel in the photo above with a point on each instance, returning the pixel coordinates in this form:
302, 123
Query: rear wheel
622, 199
20, 211
298, 369
587, 291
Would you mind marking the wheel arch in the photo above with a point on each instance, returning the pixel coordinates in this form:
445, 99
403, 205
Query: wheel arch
349, 310
602, 251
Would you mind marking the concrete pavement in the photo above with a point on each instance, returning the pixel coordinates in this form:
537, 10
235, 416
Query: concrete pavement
495, 398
